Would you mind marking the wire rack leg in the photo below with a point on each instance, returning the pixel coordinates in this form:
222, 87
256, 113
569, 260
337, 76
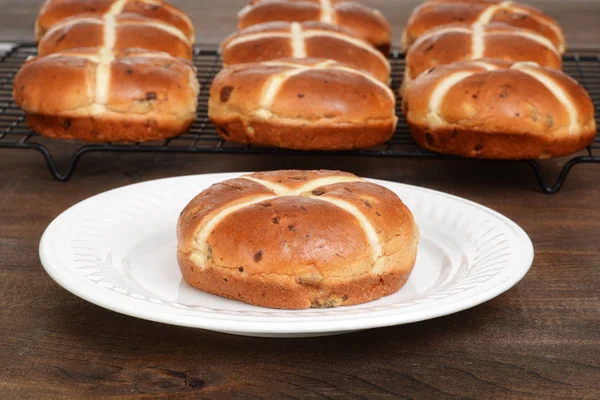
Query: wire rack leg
562, 176
51, 162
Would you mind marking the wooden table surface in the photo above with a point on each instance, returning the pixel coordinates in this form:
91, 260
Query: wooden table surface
541, 339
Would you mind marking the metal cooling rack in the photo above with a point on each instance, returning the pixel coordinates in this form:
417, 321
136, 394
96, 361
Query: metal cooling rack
203, 138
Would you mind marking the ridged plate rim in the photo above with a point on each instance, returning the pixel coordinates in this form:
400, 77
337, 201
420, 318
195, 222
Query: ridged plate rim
266, 322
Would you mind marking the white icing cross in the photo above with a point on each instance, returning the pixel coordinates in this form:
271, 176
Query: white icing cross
327, 12
117, 7
327, 15
479, 34
201, 237
276, 81
435, 119
561, 95
488, 15
298, 37
106, 53
298, 44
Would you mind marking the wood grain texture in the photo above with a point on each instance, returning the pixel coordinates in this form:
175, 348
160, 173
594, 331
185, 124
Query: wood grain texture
539, 340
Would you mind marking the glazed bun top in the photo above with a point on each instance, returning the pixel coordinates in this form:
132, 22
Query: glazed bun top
313, 225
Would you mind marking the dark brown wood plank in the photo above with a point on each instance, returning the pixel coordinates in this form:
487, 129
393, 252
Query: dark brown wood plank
538, 340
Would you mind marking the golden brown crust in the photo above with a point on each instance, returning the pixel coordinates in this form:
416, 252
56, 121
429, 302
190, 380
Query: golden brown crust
363, 21
498, 145
308, 136
297, 239
295, 235
296, 179
148, 96
110, 70
130, 32
55, 11
55, 84
453, 43
436, 13
285, 292
209, 202
496, 109
302, 104
274, 40
112, 127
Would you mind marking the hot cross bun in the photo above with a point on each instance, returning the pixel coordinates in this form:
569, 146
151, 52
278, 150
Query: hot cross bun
94, 96
363, 21
451, 43
496, 109
297, 239
303, 104
110, 70
435, 13
55, 11
121, 32
274, 40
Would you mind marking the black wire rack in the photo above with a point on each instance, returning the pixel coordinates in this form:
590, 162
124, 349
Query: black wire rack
203, 138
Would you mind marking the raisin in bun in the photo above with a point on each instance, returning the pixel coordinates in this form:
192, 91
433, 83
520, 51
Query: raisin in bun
297, 239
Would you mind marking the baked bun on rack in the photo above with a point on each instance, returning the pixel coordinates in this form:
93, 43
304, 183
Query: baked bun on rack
497, 109
275, 40
303, 104
297, 239
363, 21
124, 32
451, 43
134, 95
435, 13
55, 11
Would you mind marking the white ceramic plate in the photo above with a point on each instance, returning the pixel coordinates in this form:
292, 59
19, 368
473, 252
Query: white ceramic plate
118, 250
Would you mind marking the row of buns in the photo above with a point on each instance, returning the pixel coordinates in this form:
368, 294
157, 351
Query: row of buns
306, 75
117, 70
481, 78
